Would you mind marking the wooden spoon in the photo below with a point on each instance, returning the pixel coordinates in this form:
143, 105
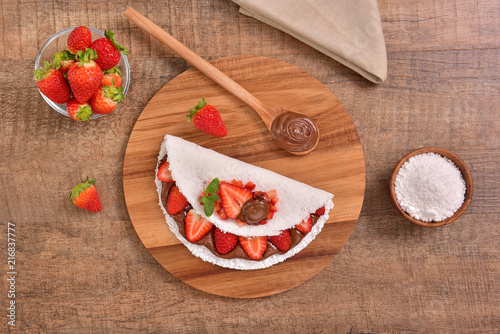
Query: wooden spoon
293, 131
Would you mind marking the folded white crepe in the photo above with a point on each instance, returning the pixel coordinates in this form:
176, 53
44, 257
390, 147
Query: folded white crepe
193, 167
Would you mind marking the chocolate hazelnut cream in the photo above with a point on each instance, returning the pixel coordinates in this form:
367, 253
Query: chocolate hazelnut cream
252, 211
294, 132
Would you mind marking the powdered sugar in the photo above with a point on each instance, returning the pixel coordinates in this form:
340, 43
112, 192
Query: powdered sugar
430, 187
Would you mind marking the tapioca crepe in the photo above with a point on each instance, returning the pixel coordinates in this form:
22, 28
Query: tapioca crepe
193, 167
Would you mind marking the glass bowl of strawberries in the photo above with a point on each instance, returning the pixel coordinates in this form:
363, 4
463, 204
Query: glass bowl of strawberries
82, 72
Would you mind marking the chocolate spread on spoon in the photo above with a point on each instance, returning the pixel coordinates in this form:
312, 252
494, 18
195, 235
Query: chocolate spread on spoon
294, 132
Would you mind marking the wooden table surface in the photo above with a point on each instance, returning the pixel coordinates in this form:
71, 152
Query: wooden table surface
81, 272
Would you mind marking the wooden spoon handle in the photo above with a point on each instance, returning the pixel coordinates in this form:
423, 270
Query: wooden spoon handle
201, 64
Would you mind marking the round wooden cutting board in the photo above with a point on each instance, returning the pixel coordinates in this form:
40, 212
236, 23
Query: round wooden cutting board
336, 165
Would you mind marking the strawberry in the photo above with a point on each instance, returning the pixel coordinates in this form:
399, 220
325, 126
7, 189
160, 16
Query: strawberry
78, 111
176, 201
271, 194
254, 246
164, 173
224, 241
79, 39
85, 76
320, 211
250, 185
63, 60
106, 98
305, 226
108, 50
113, 74
281, 241
233, 197
196, 226
206, 118
52, 84
85, 196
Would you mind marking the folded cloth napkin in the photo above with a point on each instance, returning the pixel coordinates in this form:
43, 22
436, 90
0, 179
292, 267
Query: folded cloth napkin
348, 31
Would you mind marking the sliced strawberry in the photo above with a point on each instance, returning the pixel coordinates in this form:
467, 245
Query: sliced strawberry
224, 241
274, 200
233, 197
254, 246
240, 222
320, 211
164, 173
237, 183
271, 194
272, 208
305, 226
263, 222
270, 215
250, 185
176, 201
281, 241
196, 226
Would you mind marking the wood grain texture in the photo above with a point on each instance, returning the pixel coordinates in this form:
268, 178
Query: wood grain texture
90, 273
337, 166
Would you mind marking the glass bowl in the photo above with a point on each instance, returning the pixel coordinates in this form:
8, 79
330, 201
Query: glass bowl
56, 43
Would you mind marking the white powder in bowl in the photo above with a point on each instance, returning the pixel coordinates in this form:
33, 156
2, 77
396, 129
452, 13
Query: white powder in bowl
430, 187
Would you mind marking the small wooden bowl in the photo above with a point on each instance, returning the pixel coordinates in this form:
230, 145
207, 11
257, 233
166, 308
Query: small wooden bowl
465, 174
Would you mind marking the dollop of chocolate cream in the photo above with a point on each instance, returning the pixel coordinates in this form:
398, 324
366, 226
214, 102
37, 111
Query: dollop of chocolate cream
294, 132
254, 210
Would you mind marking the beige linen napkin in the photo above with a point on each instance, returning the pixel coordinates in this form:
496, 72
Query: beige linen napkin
348, 31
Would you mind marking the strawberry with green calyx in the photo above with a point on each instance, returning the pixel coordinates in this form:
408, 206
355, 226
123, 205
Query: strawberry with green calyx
85, 76
106, 98
78, 111
210, 197
85, 196
112, 77
206, 118
52, 84
108, 50
79, 39
63, 60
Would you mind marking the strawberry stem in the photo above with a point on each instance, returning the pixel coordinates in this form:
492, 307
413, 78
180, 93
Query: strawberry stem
111, 36
85, 56
83, 114
61, 56
42, 71
197, 108
80, 187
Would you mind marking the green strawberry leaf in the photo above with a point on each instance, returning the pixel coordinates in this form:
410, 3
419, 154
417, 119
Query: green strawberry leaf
111, 36
197, 108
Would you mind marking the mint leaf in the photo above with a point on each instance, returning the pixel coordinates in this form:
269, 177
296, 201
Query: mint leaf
213, 187
209, 207
210, 198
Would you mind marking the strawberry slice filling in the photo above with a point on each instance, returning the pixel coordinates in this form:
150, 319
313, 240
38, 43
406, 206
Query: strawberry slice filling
240, 202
